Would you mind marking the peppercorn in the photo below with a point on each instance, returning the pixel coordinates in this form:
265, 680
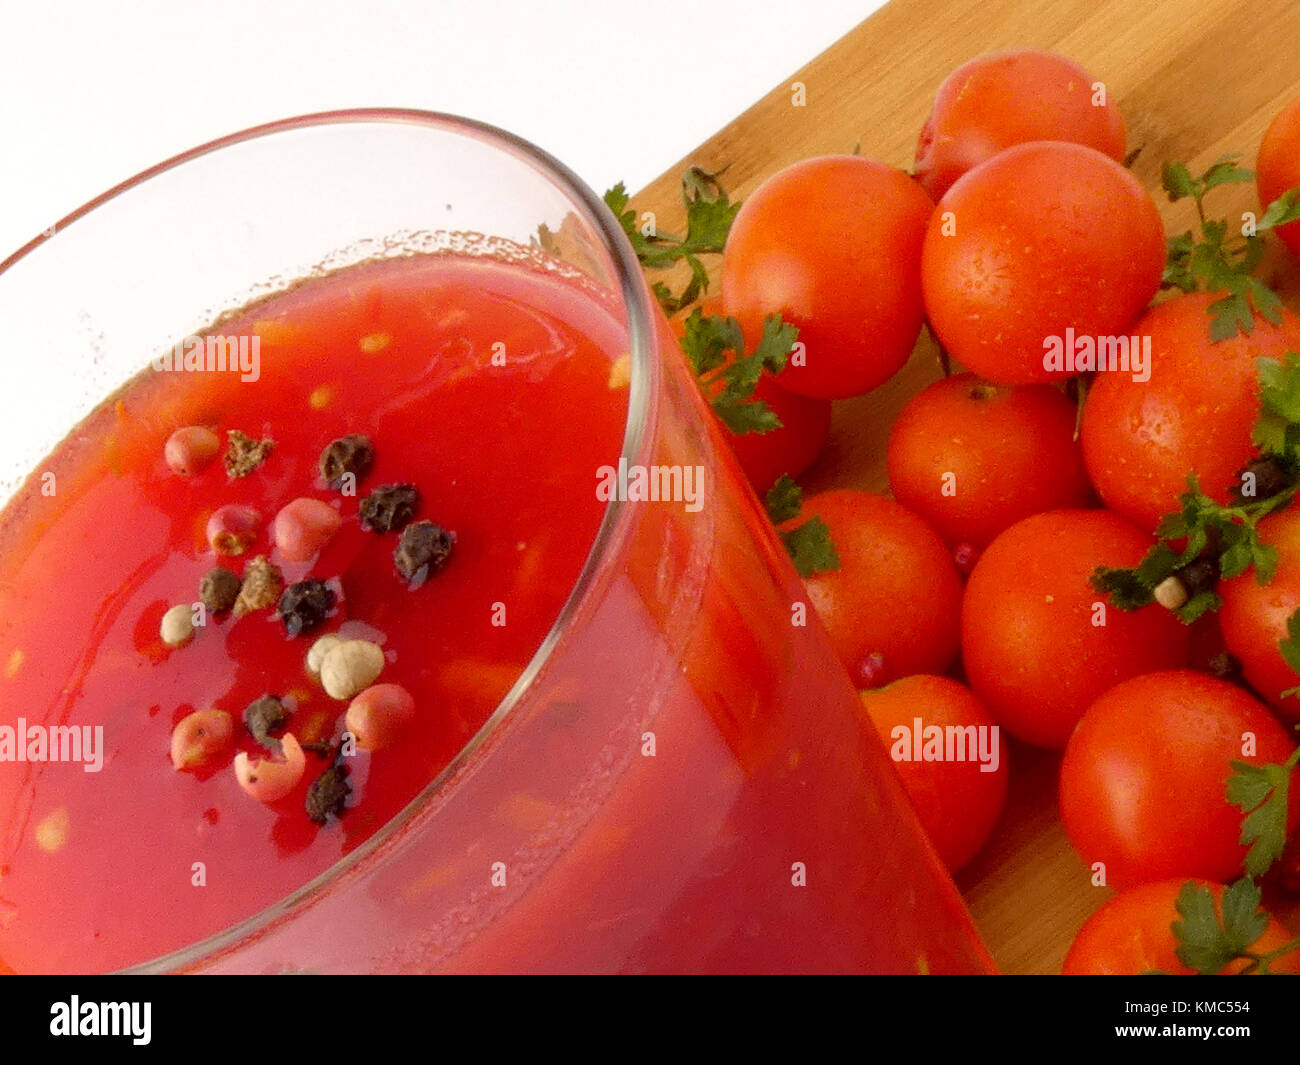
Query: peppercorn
422, 551
318, 650
264, 716
188, 451
1269, 477
268, 780
350, 667
218, 590
244, 454
261, 587
352, 454
233, 528
1171, 593
327, 794
305, 605
1199, 576
177, 626
200, 738
389, 508
1226, 666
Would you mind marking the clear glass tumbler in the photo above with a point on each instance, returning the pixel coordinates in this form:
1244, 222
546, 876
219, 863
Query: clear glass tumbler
679, 781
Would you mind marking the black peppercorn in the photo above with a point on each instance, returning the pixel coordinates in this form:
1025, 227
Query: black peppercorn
1226, 666
264, 716
305, 605
1268, 477
1199, 576
352, 454
218, 590
328, 793
389, 508
422, 551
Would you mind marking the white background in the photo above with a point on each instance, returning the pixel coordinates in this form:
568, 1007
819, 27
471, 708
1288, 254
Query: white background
92, 93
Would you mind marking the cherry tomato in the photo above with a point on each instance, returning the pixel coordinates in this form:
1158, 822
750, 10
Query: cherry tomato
958, 795
1042, 238
892, 608
973, 458
1039, 643
1277, 167
1143, 778
833, 245
1005, 98
805, 424
1142, 438
1253, 617
1133, 934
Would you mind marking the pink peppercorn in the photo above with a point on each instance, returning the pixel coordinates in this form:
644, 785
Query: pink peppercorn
232, 529
378, 714
303, 527
190, 450
267, 780
198, 739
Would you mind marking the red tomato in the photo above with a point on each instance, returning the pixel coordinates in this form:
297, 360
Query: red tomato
973, 458
896, 595
957, 798
1142, 438
1005, 98
1042, 238
832, 244
1033, 643
805, 424
1253, 617
1277, 167
1143, 779
1133, 934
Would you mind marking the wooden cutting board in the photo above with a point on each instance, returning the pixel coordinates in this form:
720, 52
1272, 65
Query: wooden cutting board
1194, 80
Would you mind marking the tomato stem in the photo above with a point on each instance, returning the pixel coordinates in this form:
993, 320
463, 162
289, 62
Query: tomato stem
1260, 962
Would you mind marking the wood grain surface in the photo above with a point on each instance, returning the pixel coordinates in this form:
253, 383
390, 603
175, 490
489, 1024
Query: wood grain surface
1194, 80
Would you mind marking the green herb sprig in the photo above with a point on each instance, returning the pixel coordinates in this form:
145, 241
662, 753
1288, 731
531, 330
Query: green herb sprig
709, 214
1217, 262
1208, 943
1228, 534
707, 340
809, 543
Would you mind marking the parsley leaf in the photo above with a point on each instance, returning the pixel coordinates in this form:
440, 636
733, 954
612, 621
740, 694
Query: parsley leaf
1206, 943
709, 215
1261, 793
784, 499
811, 548
706, 340
715, 348
809, 544
1198, 606
1215, 262
1282, 211
1277, 431
1125, 588
1290, 646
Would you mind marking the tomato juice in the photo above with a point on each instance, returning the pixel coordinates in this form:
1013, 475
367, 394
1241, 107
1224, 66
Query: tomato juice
404, 353
683, 785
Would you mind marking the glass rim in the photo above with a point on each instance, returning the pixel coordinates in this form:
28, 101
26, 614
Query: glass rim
615, 522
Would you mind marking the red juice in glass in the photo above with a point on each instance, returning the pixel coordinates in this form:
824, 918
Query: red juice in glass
632, 749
